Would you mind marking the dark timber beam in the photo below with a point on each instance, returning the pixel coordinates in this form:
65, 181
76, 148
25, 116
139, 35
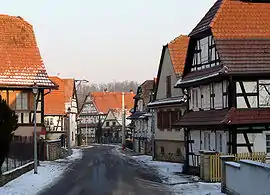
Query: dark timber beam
247, 143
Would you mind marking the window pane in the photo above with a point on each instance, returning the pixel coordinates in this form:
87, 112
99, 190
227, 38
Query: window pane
268, 137
267, 143
204, 49
264, 95
268, 150
18, 101
24, 101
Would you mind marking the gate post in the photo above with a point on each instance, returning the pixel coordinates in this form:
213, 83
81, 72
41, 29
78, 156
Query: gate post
223, 170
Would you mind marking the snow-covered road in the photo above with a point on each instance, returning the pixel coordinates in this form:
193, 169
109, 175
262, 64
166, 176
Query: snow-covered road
48, 174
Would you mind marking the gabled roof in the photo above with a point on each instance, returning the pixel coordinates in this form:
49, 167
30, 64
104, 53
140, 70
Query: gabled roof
241, 31
20, 60
178, 50
109, 100
69, 89
117, 113
54, 102
236, 19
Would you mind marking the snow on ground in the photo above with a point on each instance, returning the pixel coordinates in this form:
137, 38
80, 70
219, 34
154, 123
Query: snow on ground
179, 184
197, 189
48, 173
166, 169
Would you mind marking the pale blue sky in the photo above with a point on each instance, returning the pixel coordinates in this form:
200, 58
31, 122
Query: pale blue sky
106, 40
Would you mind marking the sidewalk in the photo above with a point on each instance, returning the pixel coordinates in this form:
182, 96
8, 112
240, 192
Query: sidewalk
49, 172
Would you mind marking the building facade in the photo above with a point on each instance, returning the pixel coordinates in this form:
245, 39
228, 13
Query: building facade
95, 109
22, 69
61, 111
168, 102
226, 80
142, 118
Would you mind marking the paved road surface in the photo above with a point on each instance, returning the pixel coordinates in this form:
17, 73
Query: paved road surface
103, 172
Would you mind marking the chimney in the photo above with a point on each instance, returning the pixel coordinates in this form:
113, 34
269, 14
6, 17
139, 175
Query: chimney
105, 90
131, 91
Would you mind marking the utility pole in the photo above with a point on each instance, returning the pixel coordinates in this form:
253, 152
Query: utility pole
123, 119
86, 133
35, 92
69, 145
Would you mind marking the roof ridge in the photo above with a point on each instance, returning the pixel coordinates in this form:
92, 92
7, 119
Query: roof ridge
177, 38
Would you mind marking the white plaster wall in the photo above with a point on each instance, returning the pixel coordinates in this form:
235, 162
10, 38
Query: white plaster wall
258, 140
167, 69
248, 178
214, 146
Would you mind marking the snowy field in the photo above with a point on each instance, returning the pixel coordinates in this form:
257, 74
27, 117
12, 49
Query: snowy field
48, 174
179, 184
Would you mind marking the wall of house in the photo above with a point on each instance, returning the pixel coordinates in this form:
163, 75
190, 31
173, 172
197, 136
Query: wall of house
256, 177
257, 139
26, 131
209, 140
167, 69
167, 150
54, 123
168, 134
210, 96
258, 93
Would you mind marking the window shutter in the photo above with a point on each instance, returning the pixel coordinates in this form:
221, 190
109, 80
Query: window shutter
168, 86
166, 120
159, 120
174, 117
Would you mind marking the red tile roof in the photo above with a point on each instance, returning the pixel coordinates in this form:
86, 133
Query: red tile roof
20, 60
111, 100
69, 89
54, 102
238, 19
178, 51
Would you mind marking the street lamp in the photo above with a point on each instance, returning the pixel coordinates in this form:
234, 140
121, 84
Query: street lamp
35, 92
68, 112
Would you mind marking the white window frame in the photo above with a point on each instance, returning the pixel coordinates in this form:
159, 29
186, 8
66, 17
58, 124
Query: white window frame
22, 101
267, 148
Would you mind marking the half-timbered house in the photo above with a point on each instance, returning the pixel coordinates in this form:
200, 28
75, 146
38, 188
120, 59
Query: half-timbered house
21, 68
57, 113
142, 118
96, 107
112, 125
227, 79
168, 102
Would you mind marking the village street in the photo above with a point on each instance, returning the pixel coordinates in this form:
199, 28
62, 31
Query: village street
103, 171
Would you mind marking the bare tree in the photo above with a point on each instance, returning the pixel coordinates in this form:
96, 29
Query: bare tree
118, 86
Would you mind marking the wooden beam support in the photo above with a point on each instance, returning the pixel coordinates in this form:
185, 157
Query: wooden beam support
244, 145
247, 142
234, 141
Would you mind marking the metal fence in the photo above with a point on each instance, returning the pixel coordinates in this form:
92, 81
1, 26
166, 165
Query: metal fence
21, 153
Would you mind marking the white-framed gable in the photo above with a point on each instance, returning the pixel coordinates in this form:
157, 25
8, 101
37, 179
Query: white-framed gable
167, 70
110, 120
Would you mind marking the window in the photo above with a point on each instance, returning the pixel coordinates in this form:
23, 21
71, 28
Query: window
22, 101
207, 141
178, 152
168, 86
212, 96
247, 94
205, 54
268, 143
162, 151
264, 93
219, 147
159, 120
107, 124
114, 123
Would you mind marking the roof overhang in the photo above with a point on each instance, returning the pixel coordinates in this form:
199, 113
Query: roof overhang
223, 118
164, 102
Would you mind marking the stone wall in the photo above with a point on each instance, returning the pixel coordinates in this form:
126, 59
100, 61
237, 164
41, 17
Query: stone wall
170, 151
53, 149
10, 175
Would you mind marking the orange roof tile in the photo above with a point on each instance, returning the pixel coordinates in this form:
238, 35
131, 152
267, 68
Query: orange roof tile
69, 89
54, 102
20, 60
178, 51
238, 19
111, 100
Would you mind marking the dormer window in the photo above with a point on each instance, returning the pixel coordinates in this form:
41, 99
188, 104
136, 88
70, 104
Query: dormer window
205, 54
